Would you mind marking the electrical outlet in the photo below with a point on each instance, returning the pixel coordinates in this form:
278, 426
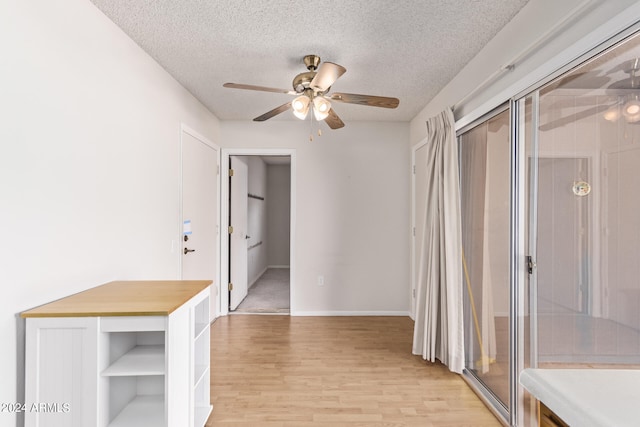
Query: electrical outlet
320, 280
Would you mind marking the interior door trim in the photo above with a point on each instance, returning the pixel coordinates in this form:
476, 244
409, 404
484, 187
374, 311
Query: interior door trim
224, 251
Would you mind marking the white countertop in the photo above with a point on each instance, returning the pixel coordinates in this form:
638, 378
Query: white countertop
588, 397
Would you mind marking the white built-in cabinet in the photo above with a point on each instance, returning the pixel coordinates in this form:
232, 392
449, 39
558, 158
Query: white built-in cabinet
122, 354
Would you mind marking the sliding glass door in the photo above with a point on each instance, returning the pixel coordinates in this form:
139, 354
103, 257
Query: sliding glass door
581, 159
551, 236
584, 175
485, 192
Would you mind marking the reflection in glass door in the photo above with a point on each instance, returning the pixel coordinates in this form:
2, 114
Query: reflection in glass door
551, 237
485, 192
581, 140
587, 233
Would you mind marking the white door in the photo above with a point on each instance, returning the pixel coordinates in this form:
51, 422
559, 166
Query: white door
622, 236
199, 238
562, 222
238, 271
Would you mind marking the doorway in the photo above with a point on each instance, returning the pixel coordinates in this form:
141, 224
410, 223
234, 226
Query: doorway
259, 214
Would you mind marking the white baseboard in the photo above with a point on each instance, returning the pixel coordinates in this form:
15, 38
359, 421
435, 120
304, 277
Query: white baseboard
350, 313
278, 266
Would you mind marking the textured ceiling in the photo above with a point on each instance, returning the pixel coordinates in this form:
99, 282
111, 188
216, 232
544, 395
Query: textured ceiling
404, 49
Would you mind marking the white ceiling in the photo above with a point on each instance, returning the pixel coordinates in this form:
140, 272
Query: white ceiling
409, 49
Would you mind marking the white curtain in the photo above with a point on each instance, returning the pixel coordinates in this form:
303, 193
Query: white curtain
438, 332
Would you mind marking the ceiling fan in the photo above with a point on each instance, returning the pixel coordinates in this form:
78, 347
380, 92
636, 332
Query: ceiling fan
312, 93
627, 106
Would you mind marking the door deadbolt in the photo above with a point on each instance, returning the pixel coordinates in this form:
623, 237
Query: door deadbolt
186, 251
186, 238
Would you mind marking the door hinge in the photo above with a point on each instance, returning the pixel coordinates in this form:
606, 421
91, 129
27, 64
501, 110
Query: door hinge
230, 172
230, 287
530, 264
230, 230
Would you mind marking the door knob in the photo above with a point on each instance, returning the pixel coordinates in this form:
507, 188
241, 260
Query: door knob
186, 251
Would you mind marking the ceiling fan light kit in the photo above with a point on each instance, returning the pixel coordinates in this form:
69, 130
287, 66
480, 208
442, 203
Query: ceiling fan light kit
311, 89
300, 107
631, 110
612, 114
628, 105
321, 108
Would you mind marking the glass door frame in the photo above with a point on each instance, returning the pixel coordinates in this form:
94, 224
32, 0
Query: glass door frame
524, 189
523, 225
501, 411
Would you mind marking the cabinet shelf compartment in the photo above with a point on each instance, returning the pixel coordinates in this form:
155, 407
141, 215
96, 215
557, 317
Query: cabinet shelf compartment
201, 318
136, 400
200, 329
201, 415
201, 356
141, 411
202, 405
134, 353
140, 360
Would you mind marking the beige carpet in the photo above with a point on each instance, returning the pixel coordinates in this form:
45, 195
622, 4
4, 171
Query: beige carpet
270, 293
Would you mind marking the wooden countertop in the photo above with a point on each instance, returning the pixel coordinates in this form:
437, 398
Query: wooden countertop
123, 298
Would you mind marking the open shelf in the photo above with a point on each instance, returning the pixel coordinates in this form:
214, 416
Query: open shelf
201, 415
201, 360
200, 318
141, 411
200, 328
140, 360
199, 371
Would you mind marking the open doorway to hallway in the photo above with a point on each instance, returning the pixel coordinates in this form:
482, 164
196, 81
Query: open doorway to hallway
259, 243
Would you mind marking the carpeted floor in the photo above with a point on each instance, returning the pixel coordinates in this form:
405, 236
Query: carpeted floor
270, 294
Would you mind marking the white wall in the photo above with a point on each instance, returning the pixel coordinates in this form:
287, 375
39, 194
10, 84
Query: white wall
598, 21
352, 212
89, 162
278, 214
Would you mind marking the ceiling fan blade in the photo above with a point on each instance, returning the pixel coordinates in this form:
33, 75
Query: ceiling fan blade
327, 74
274, 112
370, 100
333, 120
258, 88
574, 117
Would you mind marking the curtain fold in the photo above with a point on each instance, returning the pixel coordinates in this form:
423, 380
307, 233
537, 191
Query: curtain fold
438, 332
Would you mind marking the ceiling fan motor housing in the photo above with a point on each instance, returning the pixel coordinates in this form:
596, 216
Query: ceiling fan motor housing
303, 80
311, 62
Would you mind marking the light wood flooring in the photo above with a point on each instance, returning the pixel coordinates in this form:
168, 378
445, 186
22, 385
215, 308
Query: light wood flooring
277, 371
